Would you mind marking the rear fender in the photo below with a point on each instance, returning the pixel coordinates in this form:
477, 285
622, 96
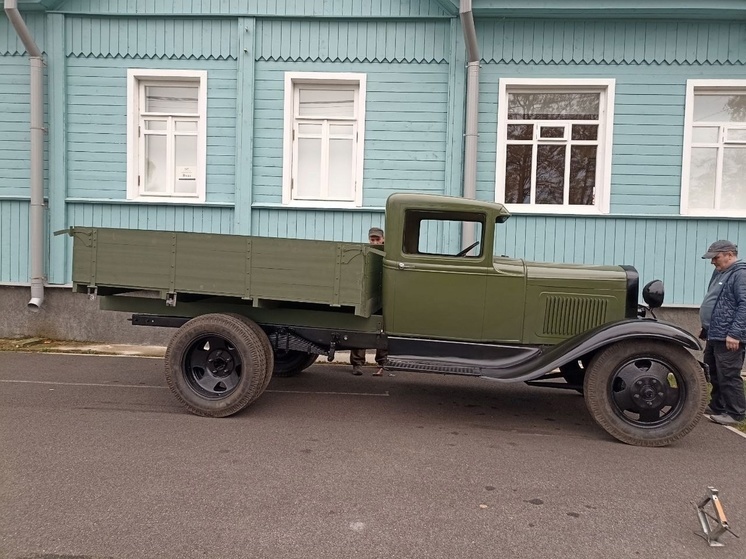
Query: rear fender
590, 342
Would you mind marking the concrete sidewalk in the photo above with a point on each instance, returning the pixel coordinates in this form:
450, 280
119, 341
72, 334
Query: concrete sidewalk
63, 346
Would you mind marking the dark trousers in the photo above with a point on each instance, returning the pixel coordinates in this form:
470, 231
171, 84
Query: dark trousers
357, 357
725, 375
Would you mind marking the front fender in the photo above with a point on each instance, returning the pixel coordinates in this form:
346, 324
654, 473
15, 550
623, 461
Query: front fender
591, 341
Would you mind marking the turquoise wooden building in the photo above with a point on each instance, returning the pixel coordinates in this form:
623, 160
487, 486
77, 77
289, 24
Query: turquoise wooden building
615, 131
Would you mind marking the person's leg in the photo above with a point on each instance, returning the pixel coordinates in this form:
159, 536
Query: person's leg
381, 355
715, 404
730, 383
357, 360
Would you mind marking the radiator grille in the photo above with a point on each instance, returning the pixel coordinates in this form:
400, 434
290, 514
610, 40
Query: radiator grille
567, 315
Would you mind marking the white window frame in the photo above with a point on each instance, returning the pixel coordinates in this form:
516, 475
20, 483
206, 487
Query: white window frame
712, 86
136, 77
606, 89
292, 79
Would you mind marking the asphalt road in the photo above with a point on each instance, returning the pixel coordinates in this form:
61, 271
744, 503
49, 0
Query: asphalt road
97, 460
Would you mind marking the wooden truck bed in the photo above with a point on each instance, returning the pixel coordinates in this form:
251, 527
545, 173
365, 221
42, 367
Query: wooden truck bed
261, 269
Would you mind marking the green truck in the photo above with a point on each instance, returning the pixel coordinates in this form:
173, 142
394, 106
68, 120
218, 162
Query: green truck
247, 308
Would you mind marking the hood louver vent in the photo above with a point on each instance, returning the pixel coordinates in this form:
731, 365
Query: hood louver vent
568, 315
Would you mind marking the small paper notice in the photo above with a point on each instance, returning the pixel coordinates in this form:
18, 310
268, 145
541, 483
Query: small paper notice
185, 173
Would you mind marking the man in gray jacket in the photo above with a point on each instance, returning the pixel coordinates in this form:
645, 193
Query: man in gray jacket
723, 317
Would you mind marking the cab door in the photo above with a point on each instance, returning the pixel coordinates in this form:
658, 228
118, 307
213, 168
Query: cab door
435, 289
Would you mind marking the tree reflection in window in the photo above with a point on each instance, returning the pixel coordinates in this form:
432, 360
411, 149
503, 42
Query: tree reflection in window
552, 148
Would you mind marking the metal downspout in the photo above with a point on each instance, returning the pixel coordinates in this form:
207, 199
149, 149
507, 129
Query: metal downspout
472, 116
36, 210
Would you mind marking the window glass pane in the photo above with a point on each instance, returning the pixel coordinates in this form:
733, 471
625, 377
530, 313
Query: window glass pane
733, 195
702, 178
185, 157
171, 99
550, 174
705, 134
330, 102
520, 131
340, 169
719, 108
156, 125
518, 174
585, 131
552, 132
735, 135
309, 129
433, 230
553, 106
308, 177
582, 175
155, 164
186, 125
345, 130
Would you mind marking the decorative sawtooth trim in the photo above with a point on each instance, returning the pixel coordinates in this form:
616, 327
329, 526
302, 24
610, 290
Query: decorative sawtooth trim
358, 60
149, 57
151, 37
250, 8
334, 40
612, 42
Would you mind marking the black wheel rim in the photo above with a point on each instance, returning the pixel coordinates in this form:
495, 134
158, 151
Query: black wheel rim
647, 392
213, 367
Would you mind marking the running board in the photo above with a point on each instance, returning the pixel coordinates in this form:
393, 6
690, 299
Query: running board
392, 363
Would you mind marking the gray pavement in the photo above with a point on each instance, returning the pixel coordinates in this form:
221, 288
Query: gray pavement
99, 461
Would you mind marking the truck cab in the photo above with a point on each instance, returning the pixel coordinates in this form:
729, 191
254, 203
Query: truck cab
493, 299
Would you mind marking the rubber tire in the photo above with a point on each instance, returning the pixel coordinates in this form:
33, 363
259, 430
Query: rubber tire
597, 391
269, 355
292, 362
247, 343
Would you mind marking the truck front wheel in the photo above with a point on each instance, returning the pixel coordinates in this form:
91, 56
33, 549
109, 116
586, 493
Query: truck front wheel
645, 393
216, 365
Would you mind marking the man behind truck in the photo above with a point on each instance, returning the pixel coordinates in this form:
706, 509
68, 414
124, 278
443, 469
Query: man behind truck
357, 356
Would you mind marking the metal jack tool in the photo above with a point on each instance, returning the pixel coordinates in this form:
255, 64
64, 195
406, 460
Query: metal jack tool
712, 532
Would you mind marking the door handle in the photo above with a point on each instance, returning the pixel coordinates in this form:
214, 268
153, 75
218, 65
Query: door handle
403, 266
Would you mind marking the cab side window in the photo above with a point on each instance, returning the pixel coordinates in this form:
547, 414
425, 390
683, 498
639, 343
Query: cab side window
434, 233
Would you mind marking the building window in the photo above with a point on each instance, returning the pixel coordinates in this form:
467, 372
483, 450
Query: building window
324, 133
714, 158
167, 124
554, 145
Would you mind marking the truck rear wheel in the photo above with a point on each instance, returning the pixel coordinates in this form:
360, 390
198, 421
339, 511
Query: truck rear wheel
290, 362
645, 393
269, 355
216, 365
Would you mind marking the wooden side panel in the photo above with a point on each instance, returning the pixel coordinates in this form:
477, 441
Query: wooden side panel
257, 268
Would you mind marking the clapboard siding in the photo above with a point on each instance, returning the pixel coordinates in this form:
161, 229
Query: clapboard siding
662, 248
648, 125
15, 126
14, 226
601, 41
301, 8
140, 37
357, 41
405, 132
97, 125
315, 224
